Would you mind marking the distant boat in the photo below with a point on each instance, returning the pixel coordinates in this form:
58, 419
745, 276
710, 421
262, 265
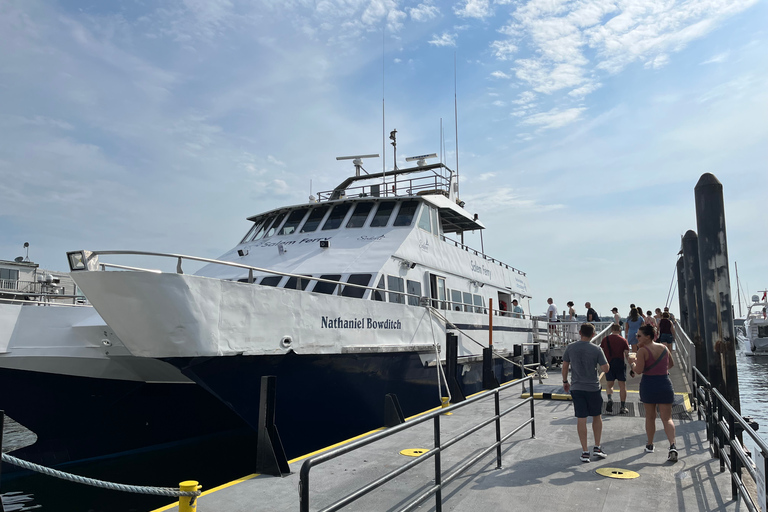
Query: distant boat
756, 324
345, 299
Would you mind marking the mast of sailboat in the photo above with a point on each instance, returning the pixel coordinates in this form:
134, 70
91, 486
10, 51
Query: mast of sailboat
738, 292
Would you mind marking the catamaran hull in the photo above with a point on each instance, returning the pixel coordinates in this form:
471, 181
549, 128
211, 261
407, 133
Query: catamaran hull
324, 399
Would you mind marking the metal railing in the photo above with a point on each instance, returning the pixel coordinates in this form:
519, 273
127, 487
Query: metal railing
480, 254
724, 426
434, 183
435, 453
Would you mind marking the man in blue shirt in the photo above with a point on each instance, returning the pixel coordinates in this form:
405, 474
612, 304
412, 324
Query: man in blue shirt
517, 311
583, 359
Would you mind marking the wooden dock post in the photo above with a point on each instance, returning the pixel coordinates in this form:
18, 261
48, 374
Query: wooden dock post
717, 310
693, 298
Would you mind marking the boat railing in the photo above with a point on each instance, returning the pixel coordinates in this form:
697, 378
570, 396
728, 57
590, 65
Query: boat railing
440, 481
480, 254
432, 183
91, 262
686, 351
725, 427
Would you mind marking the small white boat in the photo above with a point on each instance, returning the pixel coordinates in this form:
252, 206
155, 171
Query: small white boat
756, 324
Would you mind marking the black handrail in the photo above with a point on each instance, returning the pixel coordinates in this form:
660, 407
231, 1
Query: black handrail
440, 480
724, 424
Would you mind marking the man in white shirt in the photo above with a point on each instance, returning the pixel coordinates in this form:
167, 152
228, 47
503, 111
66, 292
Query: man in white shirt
551, 314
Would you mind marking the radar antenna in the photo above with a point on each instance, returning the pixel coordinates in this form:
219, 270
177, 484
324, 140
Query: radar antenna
421, 160
357, 161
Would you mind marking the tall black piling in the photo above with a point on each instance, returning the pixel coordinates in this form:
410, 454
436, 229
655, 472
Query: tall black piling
717, 318
681, 297
693, 298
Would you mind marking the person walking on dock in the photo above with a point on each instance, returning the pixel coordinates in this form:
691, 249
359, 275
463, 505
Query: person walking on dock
592, 315
583, 358
616, 350
633, 324
654, 361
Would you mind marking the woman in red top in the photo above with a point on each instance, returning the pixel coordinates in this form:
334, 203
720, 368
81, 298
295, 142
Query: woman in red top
653, 361
666, 331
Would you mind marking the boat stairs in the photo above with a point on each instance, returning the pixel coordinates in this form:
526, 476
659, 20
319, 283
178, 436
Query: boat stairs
515, 448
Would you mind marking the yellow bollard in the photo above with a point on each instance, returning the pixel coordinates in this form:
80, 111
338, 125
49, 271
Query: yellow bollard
188, 503
446, 402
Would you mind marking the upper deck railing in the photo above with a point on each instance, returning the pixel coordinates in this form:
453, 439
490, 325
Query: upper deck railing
392, 185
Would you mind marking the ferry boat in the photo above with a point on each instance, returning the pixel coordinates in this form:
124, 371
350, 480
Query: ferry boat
756, 324
345, 299
65, 376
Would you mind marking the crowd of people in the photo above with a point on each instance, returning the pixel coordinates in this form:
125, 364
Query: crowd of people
645, 349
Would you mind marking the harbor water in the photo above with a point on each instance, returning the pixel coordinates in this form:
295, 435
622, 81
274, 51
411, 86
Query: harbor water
215, 461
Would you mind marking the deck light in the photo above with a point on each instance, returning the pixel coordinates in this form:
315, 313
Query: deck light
82, 260
325, 244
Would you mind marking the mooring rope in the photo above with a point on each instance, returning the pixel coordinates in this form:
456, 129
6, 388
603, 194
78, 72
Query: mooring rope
138, 489
440, 371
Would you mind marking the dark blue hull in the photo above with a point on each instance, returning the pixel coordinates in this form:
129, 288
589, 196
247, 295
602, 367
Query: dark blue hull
79, 418
324, 399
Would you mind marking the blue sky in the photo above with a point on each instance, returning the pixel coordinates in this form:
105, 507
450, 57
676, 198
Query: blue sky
583, 125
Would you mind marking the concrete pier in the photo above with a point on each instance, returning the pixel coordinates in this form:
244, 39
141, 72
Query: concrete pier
544, 471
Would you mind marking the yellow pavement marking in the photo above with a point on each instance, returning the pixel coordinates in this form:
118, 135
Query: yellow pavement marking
617, 473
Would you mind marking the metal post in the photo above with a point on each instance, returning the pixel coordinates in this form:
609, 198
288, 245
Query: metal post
438, 469
533, 415
693, 298
720, 433
717, 310
681, 295
735, 459
2, 428
498, 429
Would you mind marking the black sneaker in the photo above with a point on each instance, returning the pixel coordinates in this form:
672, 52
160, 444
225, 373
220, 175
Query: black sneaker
598, 452
609, 406
649, 448
584, 457
672, 456
624, 410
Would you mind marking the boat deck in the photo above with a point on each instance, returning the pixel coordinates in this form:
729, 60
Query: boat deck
541, 471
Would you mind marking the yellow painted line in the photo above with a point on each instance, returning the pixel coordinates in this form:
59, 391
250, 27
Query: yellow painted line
617, 473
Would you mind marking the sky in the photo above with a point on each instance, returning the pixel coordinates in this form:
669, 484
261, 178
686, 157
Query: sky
583, 126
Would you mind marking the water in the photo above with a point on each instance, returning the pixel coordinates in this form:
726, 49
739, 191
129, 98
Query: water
220, 460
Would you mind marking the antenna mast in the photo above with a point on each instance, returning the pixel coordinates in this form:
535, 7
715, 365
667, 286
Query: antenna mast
456, 120
383, 126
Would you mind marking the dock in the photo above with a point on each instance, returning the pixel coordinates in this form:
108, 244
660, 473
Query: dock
544, 470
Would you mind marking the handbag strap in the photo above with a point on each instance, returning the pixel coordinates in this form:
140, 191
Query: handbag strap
662, 356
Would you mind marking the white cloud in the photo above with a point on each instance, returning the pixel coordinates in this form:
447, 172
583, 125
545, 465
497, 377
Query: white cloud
486, 176
499, 74
474, 9
445, 39
503, 49
555, 118
717, 59
499, 103
424, 12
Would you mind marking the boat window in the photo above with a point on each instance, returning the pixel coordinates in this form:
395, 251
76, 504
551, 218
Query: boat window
273, 228
327, 288
424, 219
337, 215
263, 228
405, 215
435, 221
295, 283
294, 219
437, 289
395, 284
377, 295
478, 300
762, 331
271, 281
315, 216
383, 214
456, 300
250, 233
360, 215
353, 291
413, 288
468, 302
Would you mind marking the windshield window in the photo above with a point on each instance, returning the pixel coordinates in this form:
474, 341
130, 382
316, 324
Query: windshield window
405, 215
263, 228
360, 215
275, 225
314, 219
383, 214
337, 215
294, 219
